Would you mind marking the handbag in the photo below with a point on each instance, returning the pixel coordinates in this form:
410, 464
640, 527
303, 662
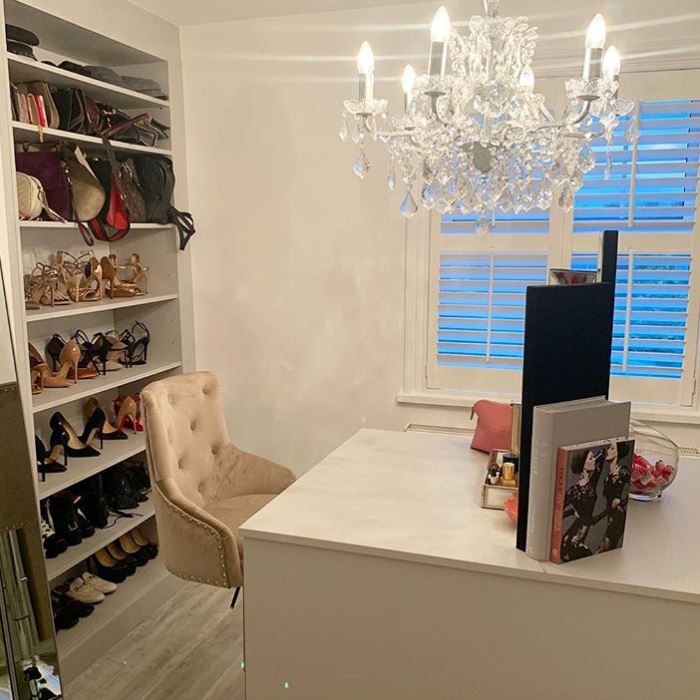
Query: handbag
494, 422
141, 129
43, 100
157, 181
131, 190
113, 222
78, 112
31, 199
87, 193
47, 167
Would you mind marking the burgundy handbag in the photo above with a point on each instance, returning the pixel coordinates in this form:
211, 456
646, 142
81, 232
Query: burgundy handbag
494, 423
46, 166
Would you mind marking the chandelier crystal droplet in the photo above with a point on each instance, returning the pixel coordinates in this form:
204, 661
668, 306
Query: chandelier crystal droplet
474, 137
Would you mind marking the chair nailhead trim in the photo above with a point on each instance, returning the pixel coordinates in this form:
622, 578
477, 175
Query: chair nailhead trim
219, 544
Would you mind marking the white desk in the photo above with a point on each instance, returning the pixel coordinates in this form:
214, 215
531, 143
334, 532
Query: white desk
377, 575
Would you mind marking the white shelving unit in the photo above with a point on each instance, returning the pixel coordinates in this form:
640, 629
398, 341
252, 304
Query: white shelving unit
165, 309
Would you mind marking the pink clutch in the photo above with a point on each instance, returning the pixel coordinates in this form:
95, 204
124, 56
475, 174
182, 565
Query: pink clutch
493, 425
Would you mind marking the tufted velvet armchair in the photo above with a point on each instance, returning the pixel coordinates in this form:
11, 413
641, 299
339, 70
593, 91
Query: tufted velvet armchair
204, 488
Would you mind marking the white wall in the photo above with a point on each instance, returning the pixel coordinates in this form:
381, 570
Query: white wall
299, 266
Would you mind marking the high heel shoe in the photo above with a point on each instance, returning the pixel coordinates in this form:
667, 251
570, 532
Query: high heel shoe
65, 435
67, 356
111, 284
47, 463
137, 274
97, 421
82, 279
136, 341
49, 379
92, 352
127, 414
116, 357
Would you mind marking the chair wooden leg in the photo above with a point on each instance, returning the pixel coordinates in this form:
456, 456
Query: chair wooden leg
235, 597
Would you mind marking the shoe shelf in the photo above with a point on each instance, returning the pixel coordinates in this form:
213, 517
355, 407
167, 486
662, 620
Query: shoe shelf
73, 225
47, 313
24, 70
113, 452
114, 530
30, 133
138, 596
53, 398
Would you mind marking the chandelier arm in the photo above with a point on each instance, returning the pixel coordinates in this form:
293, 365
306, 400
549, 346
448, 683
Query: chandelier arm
562, 125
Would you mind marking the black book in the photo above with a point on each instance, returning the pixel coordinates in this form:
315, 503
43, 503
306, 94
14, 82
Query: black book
568, 341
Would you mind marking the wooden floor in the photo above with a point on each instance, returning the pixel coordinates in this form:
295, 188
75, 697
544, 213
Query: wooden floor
191, 648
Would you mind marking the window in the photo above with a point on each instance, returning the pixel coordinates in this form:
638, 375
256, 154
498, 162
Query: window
647, 189
480, 290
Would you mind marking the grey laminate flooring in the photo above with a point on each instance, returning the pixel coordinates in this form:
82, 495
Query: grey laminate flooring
188, 649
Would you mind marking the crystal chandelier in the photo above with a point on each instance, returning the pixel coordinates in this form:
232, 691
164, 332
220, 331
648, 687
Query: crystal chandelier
474, 136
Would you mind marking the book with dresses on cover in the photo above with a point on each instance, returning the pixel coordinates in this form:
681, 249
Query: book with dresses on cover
590, 498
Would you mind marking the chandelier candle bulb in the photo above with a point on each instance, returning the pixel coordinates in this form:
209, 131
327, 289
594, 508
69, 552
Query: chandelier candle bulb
612, 66
439, 33
595, 40
527, 78
408, 82
365, 67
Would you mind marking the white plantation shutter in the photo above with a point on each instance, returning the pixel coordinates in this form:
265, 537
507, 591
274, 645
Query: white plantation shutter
480, 299
648, 193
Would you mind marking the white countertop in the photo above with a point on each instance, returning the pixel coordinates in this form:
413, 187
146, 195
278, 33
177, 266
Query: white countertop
416, 496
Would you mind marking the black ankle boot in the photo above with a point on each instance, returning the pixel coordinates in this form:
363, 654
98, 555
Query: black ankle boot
53, 544
65, 519
93, 502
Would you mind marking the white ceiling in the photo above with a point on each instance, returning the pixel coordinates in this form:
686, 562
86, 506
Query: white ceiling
186, 12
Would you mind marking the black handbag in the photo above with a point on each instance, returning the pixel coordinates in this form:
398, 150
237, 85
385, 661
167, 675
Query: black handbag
157, 180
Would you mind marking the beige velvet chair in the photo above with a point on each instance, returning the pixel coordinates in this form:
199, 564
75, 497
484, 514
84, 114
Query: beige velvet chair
204, 488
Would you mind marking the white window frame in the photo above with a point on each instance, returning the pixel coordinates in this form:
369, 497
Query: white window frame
423, 245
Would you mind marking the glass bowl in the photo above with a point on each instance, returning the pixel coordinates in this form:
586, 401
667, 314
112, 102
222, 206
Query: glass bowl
655, 462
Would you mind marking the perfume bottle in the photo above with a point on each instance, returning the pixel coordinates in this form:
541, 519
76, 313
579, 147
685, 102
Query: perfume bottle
513, 455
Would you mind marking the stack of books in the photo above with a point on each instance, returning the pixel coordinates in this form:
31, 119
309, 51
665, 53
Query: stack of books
579, 479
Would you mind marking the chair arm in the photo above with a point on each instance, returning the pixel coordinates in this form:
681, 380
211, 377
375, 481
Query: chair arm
241, 473
194, 545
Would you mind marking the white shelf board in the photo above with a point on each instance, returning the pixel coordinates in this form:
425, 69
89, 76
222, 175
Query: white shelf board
82, 308
114, 451
74, 555
29, 132
72, 225
26, 70
52, 398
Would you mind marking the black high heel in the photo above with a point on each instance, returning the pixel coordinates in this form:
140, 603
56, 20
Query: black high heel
53, 350
47, 463
94, 352
97, 418
64, 434
136, 342
93, 428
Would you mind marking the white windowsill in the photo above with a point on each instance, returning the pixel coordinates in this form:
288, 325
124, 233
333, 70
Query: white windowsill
647, 412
